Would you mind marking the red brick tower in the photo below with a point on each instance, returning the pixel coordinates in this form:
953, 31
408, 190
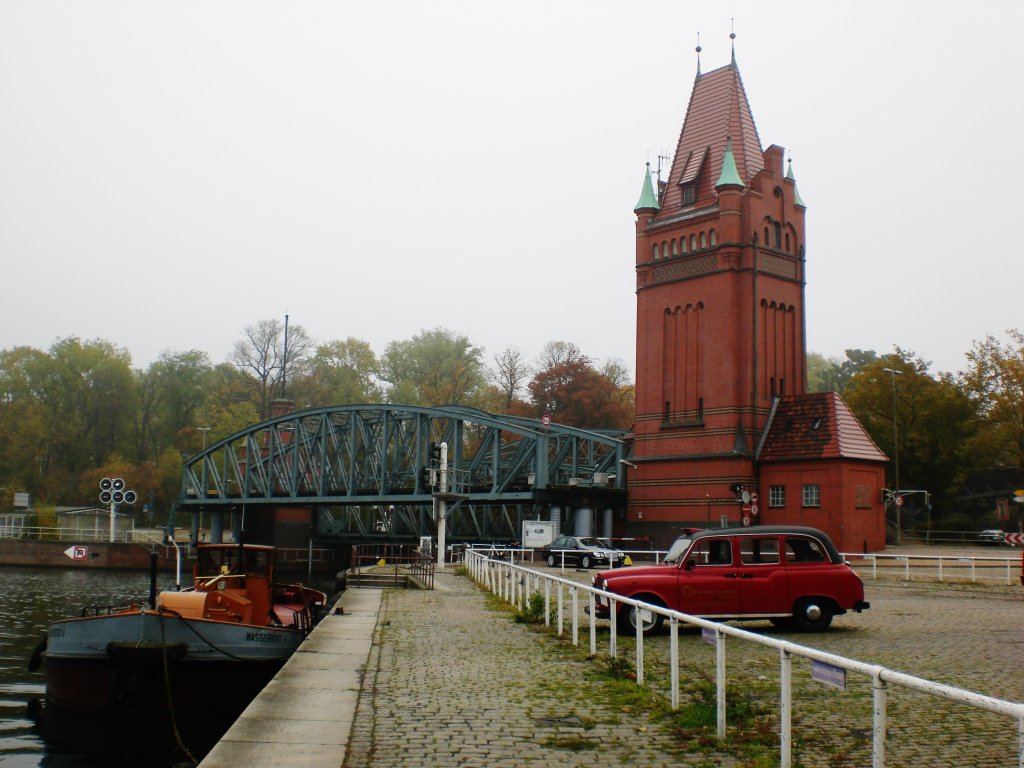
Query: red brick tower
720, 310
720, 356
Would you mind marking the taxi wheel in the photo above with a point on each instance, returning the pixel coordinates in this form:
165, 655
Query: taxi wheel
813, 614
551, 561
585, 562
649, 625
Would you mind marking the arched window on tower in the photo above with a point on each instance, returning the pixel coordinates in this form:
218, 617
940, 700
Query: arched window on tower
655, 252
767, 240
675, 246
787, 242
693, 242
682, 244
703, 241
778, 235
712, 238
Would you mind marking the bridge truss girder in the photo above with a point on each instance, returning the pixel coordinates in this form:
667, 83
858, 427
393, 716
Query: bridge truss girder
362, 467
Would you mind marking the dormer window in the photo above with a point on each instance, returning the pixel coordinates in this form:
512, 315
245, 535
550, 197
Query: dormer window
691, 176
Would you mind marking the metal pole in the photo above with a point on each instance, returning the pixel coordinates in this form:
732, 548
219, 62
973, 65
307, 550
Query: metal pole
895, 451
442, 508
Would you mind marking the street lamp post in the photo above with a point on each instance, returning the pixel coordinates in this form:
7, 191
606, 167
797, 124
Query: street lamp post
895, 451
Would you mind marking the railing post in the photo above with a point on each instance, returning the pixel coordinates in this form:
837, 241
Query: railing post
560, 617
940, 568
575, 617
721, 703
593, 624
1020, 743
547, 602
786, 710
639, 649
673, 661
613, 628
878, 693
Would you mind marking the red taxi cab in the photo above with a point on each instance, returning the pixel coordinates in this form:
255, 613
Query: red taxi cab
790, 575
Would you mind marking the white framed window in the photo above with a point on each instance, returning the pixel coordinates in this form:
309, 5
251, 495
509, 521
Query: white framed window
776, 495
812, 495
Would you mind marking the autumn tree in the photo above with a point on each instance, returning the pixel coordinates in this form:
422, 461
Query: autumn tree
933, 419
571, 391
339, 373
435, 367
994, 380
833, 374
262, 356
510, 375
169, 393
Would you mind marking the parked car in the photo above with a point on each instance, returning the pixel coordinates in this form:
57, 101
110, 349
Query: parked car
991, 536
791, 575
584, 551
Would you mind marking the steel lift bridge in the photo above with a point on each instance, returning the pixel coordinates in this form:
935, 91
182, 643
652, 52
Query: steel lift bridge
370, 473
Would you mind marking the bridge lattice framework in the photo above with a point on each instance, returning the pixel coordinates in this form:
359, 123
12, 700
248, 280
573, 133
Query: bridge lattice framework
365, 470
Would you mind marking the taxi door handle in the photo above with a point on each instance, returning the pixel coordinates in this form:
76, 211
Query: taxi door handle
729, 575
746, 575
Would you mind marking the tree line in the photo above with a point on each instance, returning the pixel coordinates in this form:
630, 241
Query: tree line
959, 436
79, 411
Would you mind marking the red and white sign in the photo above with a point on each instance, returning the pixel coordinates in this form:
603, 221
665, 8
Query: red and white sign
754, 509
545, 420
77, 552
753, 499
899, 501
1014, 538
746, 520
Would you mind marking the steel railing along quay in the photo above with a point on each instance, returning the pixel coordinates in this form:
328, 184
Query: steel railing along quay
1005, 569
515, 584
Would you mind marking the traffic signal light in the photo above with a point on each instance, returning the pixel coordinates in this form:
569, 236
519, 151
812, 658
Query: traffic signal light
736, 488
435, 453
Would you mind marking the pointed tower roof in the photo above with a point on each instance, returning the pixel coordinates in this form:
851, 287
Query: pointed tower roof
729, 177
797, 200
718, 110
648, 200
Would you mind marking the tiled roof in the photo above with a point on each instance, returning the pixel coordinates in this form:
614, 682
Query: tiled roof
718, 111
817, 426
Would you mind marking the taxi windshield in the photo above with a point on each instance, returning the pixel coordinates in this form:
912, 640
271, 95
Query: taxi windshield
677, 550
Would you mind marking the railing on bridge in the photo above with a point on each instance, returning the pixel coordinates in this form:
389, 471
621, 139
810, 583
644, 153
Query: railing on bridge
515, 584
397, 560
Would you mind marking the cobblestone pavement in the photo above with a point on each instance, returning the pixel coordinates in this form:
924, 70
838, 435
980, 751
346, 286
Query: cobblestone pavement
452, 682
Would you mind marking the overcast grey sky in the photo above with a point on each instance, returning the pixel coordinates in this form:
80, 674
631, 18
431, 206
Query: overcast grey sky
171, 172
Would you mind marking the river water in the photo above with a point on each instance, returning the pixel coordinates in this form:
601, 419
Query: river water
31, 598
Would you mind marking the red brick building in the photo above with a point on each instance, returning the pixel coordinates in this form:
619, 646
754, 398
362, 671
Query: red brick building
721, 358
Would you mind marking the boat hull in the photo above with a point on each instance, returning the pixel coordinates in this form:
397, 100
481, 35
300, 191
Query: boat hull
158, 677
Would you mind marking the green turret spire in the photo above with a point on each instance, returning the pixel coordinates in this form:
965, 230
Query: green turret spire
797, 200
648, 200
730, 175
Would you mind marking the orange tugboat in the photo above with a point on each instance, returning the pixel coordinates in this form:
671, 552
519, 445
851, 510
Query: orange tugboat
182, 669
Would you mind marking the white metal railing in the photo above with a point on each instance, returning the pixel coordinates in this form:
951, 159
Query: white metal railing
514, 584
1005, 569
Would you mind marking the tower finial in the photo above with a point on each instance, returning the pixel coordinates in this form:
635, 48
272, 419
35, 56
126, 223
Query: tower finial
699, 49
732, 38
